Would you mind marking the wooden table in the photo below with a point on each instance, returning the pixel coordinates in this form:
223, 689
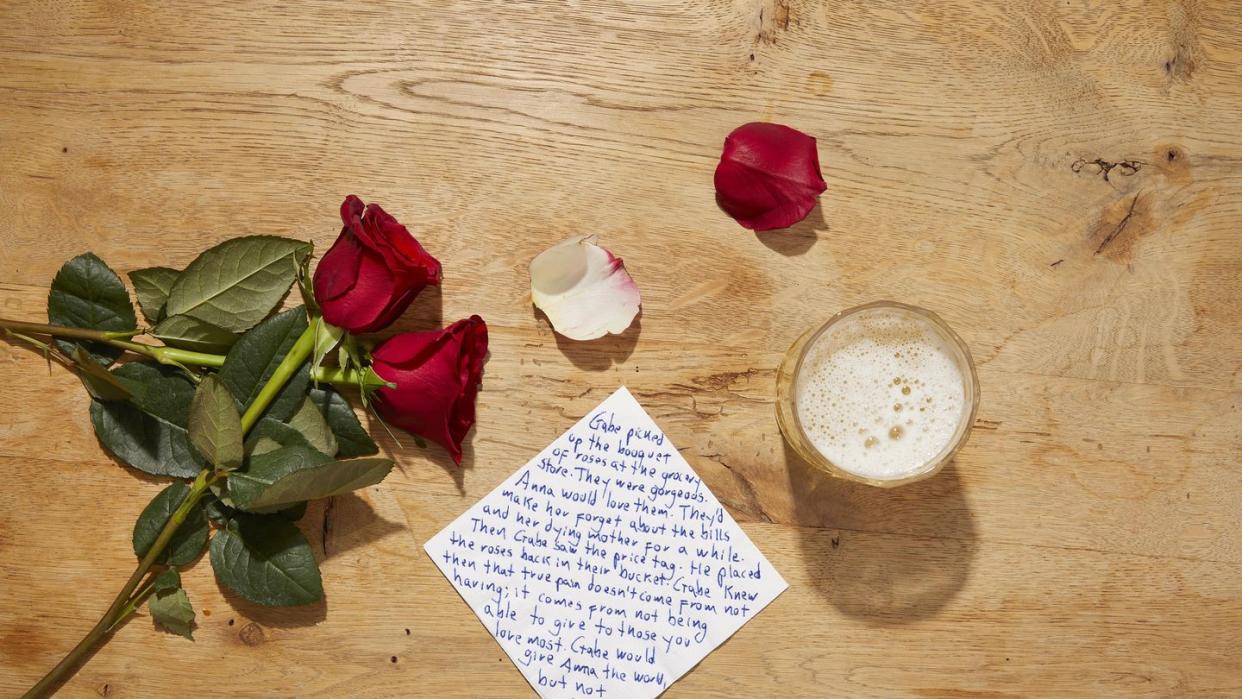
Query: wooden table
1060, 181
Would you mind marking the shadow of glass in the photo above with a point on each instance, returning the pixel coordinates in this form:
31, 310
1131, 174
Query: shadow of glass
798, 238
601, 353
885, 556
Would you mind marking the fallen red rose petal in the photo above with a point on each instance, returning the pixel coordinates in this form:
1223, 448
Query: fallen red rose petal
768, 176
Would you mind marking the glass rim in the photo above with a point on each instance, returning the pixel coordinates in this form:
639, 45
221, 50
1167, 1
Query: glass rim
932, 465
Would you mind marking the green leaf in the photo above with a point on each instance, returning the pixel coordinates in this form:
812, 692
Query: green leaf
369, 382
190, 538
306, 287
100, 383
151, 285
167, 581
295, 512
238, 282
265, 468
170, 608
266, 560
351, 439
193, 334
269, 435
149, 431
254, 359
327, 337
266, 436
215, 426
220, 513
216, 510
344, 357
310, 423
159, 389
86, 293
292, 474
143, 441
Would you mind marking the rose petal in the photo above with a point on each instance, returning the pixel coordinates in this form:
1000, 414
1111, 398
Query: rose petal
436, 376
373, 270
402, 248
364, 309
351, 210
340, 267
583, 289
768, 176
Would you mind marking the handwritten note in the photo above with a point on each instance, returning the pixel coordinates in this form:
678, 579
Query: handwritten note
605, 567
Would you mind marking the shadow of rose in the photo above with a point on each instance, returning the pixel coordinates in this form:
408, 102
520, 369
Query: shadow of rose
885, 556
425, 313
403, 448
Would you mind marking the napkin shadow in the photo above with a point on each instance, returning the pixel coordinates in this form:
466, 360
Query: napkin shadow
601, 353
885, 556
798, 238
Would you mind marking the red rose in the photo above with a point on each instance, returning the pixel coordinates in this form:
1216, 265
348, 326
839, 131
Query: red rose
437, 376
768, 176
373, 270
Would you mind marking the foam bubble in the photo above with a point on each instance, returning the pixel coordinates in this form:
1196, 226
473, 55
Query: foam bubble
871, 368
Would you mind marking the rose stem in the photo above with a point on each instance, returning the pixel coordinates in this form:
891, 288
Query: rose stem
126, 601
111, 617
294, 359
163, 355
174, 356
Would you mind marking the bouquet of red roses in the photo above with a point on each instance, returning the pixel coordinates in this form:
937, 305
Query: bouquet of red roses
235, 402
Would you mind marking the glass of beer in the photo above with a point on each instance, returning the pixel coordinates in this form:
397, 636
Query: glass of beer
883, 394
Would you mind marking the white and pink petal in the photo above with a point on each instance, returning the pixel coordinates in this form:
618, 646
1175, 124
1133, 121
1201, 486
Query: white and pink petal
583, 289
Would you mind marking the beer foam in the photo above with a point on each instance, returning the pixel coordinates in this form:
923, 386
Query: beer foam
880, 393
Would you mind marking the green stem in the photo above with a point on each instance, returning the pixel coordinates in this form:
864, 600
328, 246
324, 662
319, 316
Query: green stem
294, 359
176, 356
63, 331
135, 601
349, 377
161, 354
130, 597
110, 618
166, 355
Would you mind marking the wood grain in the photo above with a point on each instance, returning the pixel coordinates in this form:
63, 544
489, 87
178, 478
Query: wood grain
1060, 181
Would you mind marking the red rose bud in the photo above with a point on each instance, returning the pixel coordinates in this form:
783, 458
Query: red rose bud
373, 270
768, 176
437, 376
